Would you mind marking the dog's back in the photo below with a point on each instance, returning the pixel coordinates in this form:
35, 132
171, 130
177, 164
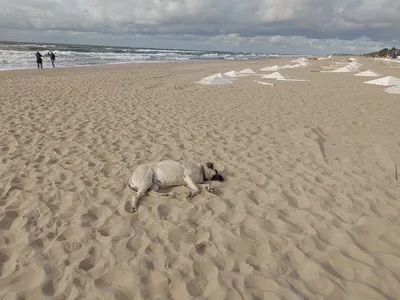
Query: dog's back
165, 173
168, 173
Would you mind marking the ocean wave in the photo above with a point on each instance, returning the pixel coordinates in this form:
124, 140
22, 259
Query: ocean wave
22, 55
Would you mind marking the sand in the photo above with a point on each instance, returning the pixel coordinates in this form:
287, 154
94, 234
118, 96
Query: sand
309, 210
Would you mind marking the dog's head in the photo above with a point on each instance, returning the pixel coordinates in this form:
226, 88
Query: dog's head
211, 173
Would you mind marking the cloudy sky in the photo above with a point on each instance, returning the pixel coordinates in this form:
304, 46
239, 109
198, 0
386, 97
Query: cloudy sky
272, 26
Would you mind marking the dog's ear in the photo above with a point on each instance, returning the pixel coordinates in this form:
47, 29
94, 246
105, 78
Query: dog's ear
210, 165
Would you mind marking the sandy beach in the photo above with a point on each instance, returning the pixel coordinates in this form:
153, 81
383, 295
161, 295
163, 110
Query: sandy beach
310, 208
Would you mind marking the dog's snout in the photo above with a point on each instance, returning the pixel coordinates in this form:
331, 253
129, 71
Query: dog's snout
217, 177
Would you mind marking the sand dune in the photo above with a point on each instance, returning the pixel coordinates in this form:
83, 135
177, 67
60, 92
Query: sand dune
310, 208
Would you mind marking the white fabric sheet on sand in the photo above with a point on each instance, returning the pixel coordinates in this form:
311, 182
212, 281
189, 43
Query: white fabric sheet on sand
292, 79
393, 89
275, 75
247, 71
388, 80
234, 74
301, 59
341, 70
215, 79
289, 66
265, 83
367, 73
324, 57
354, 66
270, 68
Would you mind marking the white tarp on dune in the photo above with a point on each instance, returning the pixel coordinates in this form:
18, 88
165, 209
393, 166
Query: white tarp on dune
304, 59
303, 62
393, 89
275, 75
247, 71
270, 68
367, 73
388, 80
342, 70
289, 66
278, 76
265, 83
354, 66
324, 57
350, 67
215, 79
291, 79
234, 74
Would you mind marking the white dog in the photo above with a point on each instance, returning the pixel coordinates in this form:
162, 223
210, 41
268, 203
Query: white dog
148, 178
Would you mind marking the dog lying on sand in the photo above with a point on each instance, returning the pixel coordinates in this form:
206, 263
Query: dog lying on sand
148, 178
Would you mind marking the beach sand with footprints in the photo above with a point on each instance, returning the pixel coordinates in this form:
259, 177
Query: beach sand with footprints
309, 209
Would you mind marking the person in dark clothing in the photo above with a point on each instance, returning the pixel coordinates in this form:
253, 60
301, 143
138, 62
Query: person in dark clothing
39, 60
52, 58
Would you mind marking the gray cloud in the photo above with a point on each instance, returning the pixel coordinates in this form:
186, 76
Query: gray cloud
208, 21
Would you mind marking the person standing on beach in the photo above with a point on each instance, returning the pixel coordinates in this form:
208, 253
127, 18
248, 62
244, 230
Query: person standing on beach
39, 60
52, 57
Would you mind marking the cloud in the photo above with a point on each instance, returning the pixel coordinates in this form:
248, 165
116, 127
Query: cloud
316, 25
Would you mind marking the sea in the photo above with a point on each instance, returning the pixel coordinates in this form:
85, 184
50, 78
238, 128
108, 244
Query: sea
18, 55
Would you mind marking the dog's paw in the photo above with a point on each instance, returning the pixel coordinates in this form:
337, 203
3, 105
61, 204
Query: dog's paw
134, 209
189, 196
210, 190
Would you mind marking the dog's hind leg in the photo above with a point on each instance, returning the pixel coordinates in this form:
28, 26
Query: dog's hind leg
194, 189
153, 191
143, 182
135, 199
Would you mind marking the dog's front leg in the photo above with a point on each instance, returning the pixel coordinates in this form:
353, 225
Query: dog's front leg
194, 189
207, 187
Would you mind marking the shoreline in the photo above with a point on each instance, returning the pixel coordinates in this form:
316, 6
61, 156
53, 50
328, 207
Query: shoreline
150, 62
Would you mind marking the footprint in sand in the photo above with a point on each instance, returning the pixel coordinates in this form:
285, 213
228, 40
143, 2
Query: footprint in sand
206, 280
119, 283
72, 246
7, 221
71, 233
166, 211
8, 260
217, 206
175, 237
22, 280
96, 216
